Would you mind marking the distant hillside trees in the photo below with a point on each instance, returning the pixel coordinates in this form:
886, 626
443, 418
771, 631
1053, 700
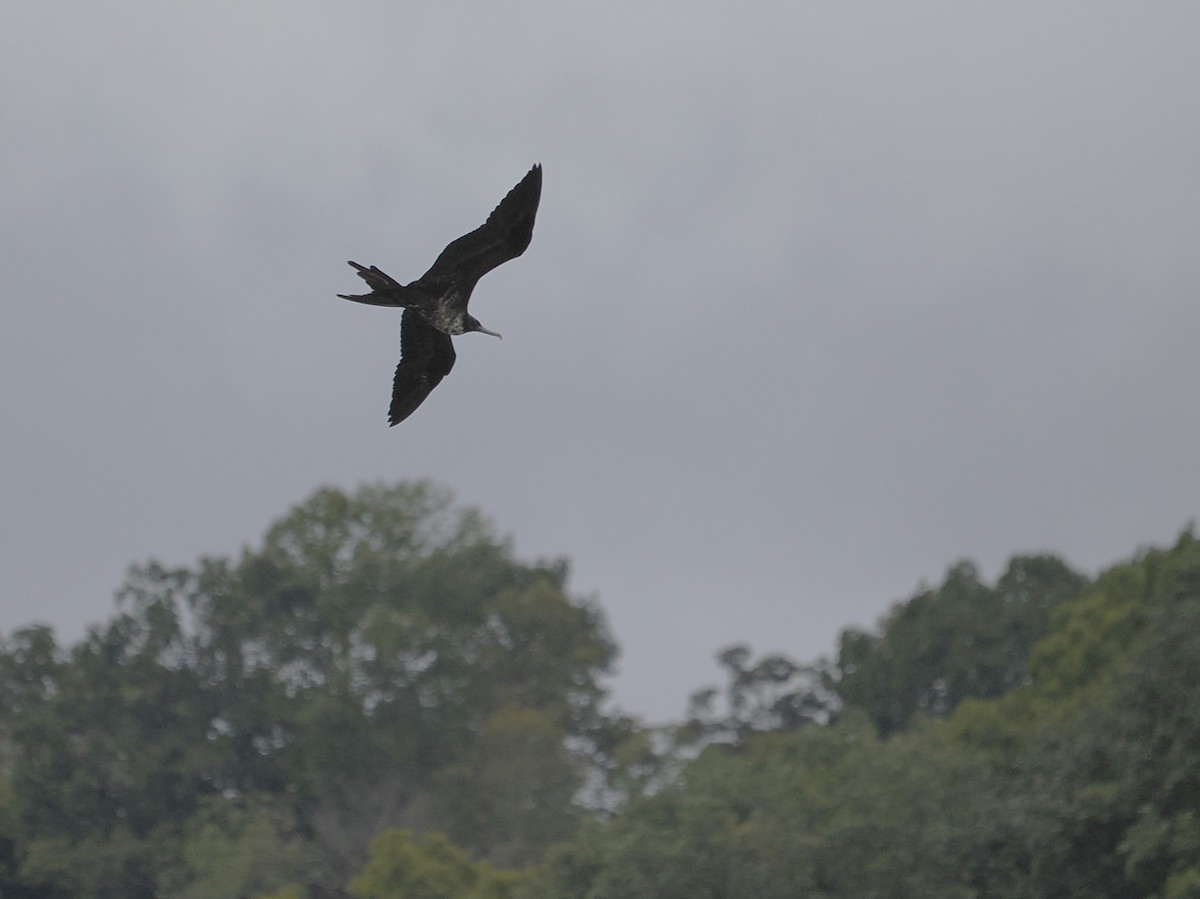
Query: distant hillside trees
381, 702
962, 640
381, 660
1039, 737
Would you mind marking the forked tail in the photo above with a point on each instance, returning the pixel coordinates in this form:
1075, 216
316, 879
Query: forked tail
385, 290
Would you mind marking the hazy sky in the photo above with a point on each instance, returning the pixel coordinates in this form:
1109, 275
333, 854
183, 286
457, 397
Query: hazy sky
822, 296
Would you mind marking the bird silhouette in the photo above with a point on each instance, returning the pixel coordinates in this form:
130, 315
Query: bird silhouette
435, 305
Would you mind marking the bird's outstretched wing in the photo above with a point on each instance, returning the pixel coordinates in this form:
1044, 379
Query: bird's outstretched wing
426, 356
504, 236
385, 290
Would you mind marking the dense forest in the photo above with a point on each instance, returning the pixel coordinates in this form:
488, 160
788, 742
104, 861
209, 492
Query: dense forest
381, 702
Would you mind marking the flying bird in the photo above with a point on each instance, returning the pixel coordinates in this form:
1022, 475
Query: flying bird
435, 305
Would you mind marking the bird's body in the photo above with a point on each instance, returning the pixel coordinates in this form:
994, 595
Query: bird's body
435, 305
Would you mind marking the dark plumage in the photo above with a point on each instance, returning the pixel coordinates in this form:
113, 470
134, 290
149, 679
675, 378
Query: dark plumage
435, 305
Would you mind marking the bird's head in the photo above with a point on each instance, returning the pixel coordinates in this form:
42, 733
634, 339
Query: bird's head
470, 323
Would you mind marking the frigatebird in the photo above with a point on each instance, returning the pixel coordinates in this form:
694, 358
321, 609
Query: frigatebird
435, 305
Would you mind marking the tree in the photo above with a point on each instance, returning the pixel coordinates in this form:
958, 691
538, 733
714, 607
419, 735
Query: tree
772, 694
1096, 762
511, 794
403, 867
826, 811
961, 640
238, 850
340, 676
1081, 779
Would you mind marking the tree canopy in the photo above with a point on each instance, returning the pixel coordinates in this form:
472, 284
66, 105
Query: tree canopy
1036, 737
380, 660
379, 701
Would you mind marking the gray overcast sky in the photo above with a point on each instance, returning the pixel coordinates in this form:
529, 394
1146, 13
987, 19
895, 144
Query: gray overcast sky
822, 296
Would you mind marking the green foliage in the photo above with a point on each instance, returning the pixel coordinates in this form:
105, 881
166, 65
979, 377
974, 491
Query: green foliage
403, 867
239, 850
962, 640
827, 811
288, 892
1184, 885
279, 710
382, 672
511, 793
771, 694
112, 866
1079, 778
